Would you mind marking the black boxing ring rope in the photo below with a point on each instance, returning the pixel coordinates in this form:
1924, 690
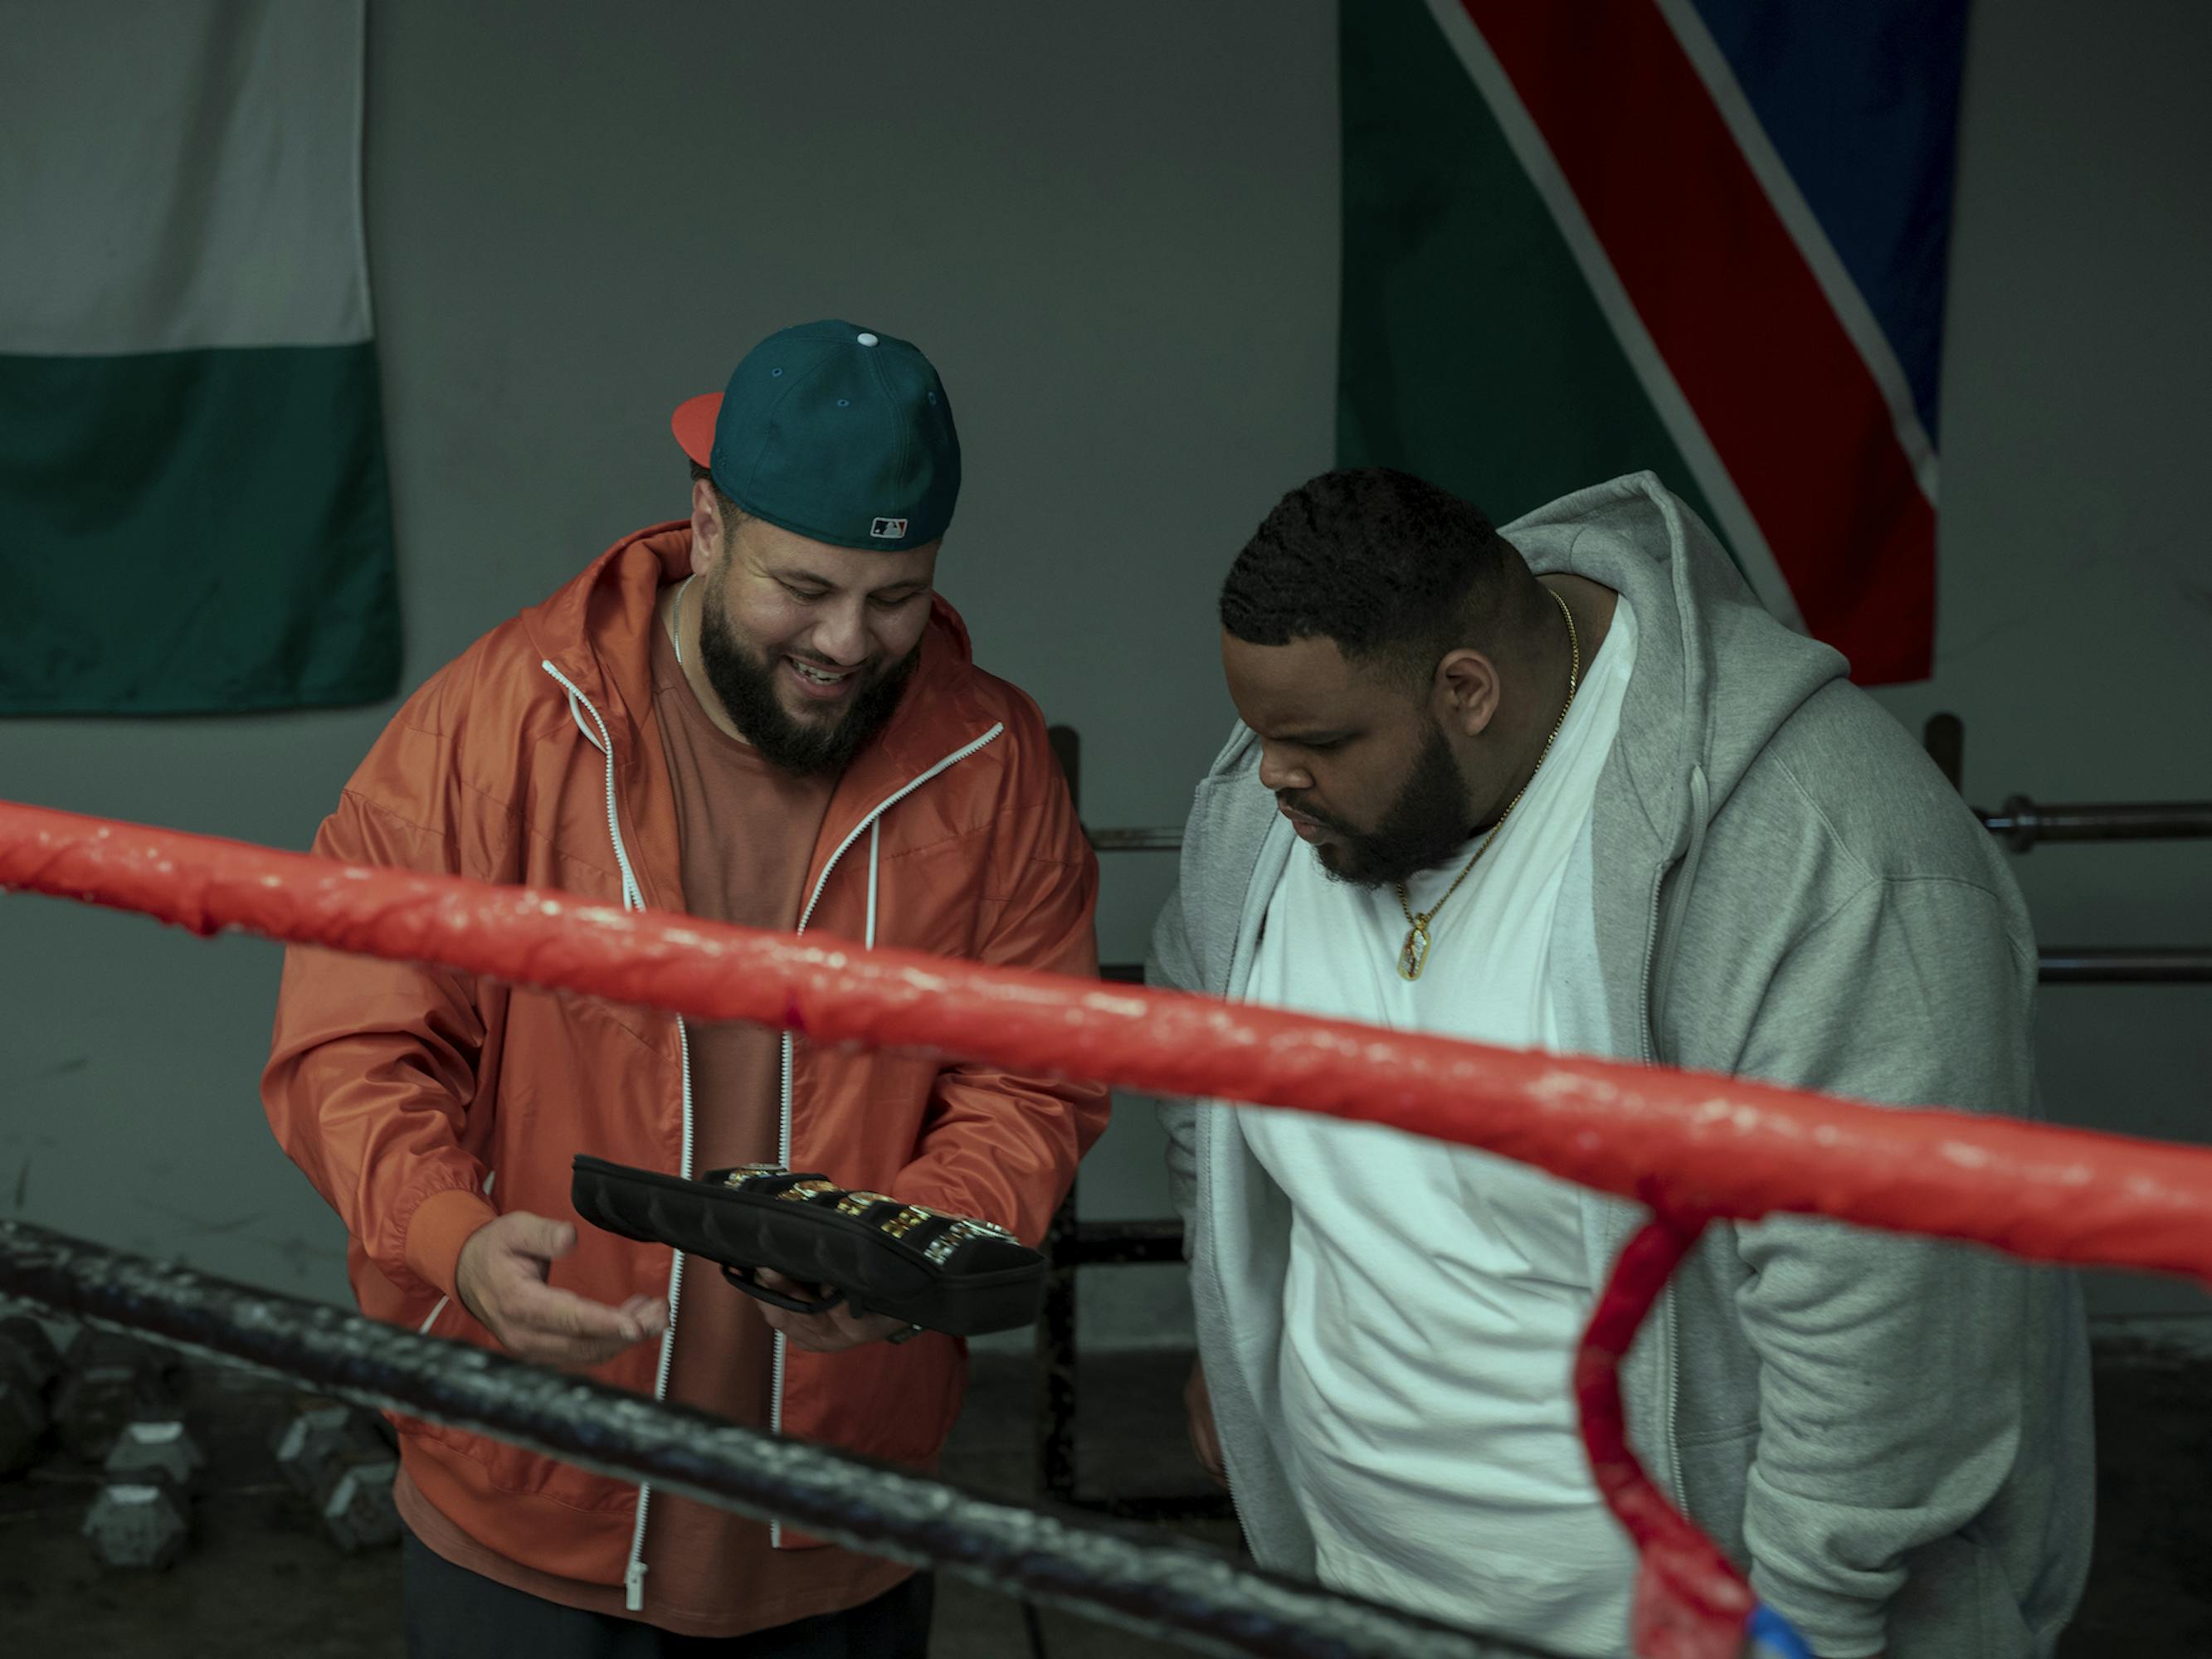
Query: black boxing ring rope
1200, 1598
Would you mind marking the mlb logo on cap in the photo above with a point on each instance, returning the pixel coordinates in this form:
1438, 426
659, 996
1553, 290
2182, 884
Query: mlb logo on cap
834, 433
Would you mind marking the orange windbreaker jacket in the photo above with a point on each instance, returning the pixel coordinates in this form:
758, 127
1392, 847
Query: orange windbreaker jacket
408, 1094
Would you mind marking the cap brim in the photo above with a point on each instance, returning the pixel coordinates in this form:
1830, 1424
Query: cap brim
693, 423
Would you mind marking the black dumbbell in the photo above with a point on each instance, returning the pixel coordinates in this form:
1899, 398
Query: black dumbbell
156, 1448
111, 1382
24, 1342
354, 1500
28, 1363
313, 1437
141, 1519
108, 1383
335, 1456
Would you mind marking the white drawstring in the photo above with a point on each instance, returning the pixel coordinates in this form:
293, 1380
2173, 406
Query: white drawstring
579, 706
595, 733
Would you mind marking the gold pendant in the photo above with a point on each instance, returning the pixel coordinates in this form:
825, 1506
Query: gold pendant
1413, 955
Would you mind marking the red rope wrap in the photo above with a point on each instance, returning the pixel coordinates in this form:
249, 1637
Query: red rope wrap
1705, 1145
1691, 1603
1714, 1146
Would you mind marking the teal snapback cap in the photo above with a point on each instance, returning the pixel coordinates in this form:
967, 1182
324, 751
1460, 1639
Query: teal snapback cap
832, 432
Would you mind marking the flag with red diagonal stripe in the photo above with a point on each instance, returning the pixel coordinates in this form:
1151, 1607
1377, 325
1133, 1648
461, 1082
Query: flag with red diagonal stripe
1707, 237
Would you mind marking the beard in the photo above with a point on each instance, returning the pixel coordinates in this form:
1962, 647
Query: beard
1424, 826
746, 683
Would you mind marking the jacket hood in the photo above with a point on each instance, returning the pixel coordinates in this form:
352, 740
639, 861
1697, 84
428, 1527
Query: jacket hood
1692, 608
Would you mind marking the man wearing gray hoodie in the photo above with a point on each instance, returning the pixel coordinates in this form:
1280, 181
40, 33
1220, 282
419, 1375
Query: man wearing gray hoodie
1568, 785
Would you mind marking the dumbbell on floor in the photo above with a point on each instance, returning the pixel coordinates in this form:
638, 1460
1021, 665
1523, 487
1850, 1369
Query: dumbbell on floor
158, 1448
142, 1518
314, 1437
333, 1454
28, 1364
354, 1500
111, 1381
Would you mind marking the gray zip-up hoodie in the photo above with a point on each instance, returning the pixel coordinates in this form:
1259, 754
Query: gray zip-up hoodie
1891, 1433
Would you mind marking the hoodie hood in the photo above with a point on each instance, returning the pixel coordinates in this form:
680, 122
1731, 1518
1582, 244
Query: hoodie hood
1692, 608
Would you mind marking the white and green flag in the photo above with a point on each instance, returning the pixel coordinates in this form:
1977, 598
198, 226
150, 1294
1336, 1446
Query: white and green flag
193, 515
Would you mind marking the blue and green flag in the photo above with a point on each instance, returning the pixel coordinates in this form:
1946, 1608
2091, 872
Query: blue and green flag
1707, 237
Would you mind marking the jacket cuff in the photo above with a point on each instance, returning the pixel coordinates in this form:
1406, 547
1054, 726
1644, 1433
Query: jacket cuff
1834, 1626
441, 1224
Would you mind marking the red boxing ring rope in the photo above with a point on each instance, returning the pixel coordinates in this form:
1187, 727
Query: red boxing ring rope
1690, 1145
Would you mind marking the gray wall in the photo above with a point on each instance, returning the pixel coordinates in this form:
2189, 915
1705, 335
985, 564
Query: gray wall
1115, 232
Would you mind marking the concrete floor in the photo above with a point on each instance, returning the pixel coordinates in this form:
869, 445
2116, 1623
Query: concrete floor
261, 1579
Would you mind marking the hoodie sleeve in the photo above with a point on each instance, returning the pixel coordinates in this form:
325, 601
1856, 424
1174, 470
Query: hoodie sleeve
371, 1084
998, 1144
1891, 1366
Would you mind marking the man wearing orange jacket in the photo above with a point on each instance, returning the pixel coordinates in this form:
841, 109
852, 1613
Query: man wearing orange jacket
763, 716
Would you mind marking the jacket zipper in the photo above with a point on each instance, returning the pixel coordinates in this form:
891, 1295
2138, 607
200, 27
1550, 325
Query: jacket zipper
634, 1572
783, 1116
633, 899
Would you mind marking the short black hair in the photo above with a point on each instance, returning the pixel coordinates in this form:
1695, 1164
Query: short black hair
1389, 567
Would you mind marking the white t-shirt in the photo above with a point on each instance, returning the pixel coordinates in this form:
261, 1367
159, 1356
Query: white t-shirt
1436, 1293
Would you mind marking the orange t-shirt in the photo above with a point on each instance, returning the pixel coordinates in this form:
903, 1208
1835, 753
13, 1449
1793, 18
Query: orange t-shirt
747, 833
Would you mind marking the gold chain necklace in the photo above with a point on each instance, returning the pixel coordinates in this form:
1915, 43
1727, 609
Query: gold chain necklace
1413, 954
